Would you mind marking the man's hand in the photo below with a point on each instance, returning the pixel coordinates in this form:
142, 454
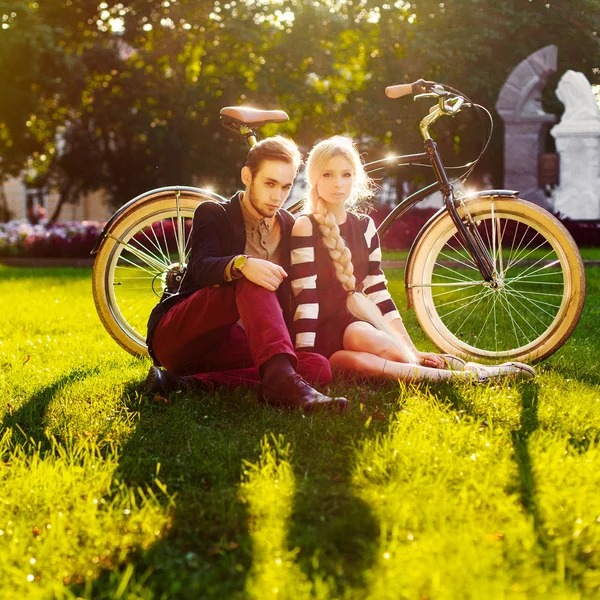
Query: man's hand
264, 273
429, 359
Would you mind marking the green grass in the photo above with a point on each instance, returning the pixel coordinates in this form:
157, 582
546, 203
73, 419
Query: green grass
419, 492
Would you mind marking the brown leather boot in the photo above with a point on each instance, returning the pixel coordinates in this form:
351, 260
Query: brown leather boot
294, 392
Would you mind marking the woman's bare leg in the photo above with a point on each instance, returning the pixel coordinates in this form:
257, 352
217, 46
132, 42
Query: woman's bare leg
371, 365
363, 337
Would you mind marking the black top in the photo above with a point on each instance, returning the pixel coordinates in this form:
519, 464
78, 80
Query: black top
218, 235
321, 314
334, 317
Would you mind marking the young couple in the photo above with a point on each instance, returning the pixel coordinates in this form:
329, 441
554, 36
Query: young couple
255, 275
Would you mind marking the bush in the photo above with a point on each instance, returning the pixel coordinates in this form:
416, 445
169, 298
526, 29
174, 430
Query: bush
402, 233
74, 239
585, 233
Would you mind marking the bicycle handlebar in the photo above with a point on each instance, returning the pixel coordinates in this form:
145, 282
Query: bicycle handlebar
418, 87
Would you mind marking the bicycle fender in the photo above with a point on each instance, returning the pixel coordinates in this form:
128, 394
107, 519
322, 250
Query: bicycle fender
408, 273
146, 197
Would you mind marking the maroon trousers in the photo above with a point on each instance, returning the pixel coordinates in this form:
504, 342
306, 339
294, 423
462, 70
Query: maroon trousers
201, 336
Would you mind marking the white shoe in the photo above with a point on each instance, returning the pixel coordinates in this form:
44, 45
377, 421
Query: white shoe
514, 370
454, 363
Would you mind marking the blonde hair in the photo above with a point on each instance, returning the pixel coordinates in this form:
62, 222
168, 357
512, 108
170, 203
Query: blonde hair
358, 304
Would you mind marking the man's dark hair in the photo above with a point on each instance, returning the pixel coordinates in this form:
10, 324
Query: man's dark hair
273, 148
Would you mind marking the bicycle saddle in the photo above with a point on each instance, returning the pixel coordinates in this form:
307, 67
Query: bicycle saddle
234, 117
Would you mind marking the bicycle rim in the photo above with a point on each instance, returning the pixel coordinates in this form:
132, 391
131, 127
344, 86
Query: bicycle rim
536, 303
131, 269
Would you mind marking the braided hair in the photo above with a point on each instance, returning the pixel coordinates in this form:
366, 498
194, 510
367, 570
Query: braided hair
358, 304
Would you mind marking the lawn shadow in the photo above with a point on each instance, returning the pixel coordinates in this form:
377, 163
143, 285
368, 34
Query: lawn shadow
520, 439
27, 421
528, 424
336, 531
201, 441
194, 445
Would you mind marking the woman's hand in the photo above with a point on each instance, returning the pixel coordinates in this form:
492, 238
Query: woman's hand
429, 359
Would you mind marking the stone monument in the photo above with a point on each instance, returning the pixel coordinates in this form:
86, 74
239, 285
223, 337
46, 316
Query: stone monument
525, 123
578, 144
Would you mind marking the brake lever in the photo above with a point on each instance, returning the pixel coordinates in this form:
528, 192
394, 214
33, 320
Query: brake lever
459, 103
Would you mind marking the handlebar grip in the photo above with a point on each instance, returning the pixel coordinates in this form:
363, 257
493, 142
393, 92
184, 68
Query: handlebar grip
397, 91
418, 87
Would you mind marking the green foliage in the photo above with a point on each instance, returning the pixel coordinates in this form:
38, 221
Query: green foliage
133, 89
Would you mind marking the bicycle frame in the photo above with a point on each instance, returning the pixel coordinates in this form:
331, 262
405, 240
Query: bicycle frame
466, 231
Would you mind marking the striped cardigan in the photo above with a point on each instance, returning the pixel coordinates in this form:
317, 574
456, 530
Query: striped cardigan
305, 282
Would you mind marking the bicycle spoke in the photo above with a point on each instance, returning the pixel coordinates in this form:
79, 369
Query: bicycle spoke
483, 296
159, 257
522, 258
482, 328
461, 279
493, 235
137, 266
145, 278
149, 260
500, 255
495, 325
188, 248
549, 294
533, 276
528, 272
513, 321
467, 254
452, 291
180, 240
465, 306
468, 266
534, 315
512, 248
160, 248
466, 284
537, 303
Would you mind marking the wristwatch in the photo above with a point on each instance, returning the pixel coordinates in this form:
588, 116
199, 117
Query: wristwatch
239, 263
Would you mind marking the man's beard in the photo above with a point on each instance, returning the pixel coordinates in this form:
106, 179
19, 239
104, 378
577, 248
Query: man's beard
250, 197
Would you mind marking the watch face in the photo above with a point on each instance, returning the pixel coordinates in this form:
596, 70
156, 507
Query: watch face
240, 262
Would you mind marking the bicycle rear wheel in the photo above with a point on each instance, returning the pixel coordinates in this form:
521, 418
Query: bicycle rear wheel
147, 249
540, 289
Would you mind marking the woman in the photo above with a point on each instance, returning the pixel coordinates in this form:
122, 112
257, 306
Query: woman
343, 309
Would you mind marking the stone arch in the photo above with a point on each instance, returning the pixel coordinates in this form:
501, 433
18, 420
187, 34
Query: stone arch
525, 122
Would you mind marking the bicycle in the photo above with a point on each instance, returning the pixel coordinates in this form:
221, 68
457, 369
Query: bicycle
490, 276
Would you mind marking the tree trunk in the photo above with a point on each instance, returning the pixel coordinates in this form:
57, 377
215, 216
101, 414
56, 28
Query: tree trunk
64, 195
4, 212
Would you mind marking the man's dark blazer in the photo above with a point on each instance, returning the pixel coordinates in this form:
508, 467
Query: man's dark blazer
218, 235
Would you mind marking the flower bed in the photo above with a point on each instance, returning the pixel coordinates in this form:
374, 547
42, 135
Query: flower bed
404, 230
73, 239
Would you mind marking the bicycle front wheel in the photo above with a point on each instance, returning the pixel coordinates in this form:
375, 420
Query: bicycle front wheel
145, 252
533, 305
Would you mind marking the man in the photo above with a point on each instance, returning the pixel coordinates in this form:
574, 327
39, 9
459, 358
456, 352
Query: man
238, 272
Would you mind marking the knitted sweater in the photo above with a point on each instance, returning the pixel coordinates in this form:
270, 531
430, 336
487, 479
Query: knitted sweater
320, 314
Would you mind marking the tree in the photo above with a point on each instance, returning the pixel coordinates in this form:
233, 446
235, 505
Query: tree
125, 96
